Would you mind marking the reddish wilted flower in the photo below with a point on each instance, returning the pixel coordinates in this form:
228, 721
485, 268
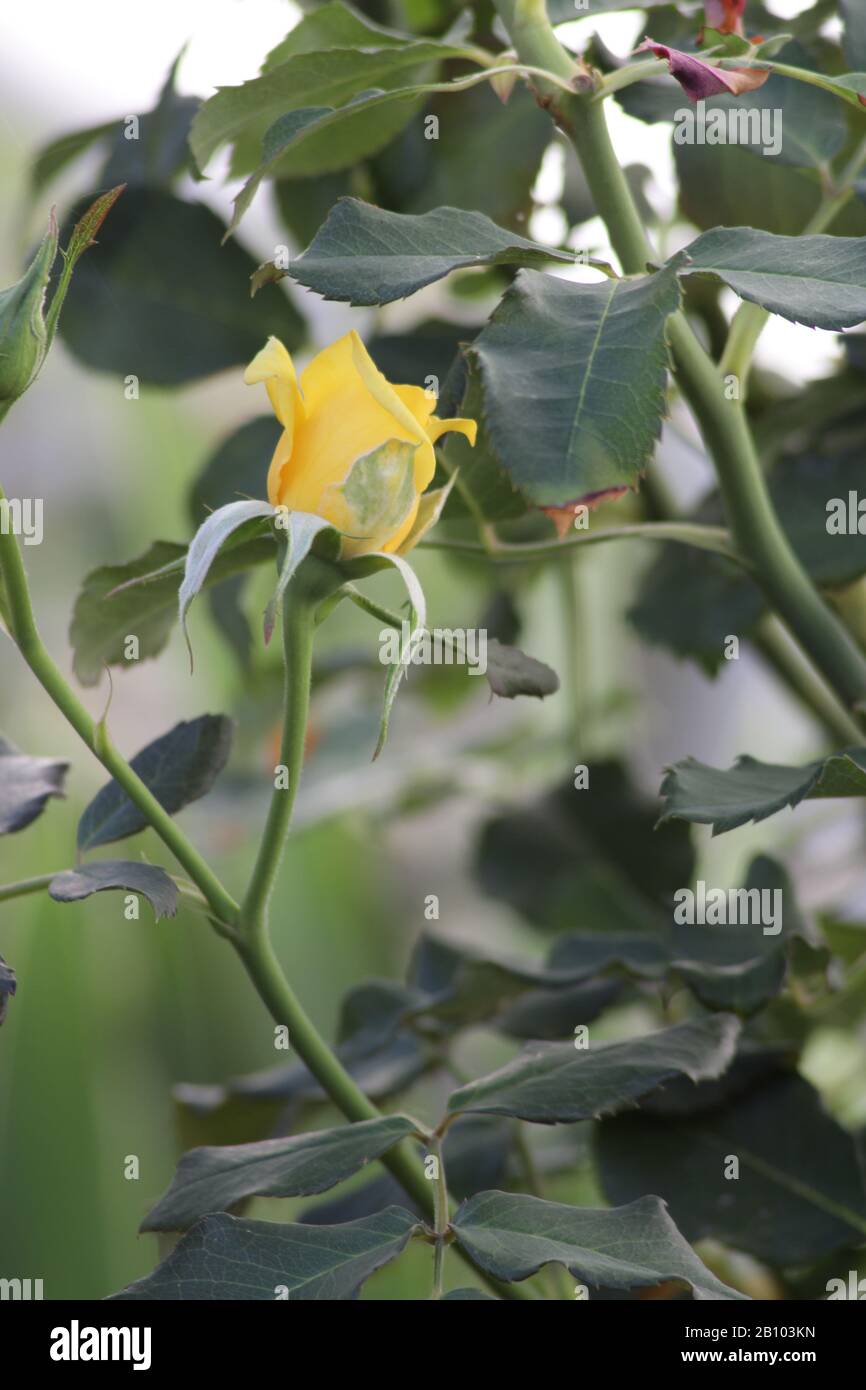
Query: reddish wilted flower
725, 16
699, 79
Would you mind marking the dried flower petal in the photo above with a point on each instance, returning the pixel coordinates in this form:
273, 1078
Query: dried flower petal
699, 79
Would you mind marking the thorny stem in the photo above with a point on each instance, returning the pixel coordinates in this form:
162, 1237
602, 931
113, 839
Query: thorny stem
714, 538
26, 635
754, 524
253, 945
440, 1219
298, 629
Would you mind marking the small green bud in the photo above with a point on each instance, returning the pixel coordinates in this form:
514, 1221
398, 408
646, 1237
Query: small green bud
24, 338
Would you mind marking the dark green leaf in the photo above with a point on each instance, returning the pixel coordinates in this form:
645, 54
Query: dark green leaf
854, 42
481, 472
412, 358
112, 607
225, 1259
512, 1236
366, 255
690, 603
179, 767
741, 966
160, 299
558, 1083
304, 80
798, 1196
463, 985
157, 154
752, 790
148, 880
25, 785
464, 167
383, 1059
53, 158
586, 858
214, 1179
816, 280
510, 672
574, 378
161, 150
563, 11
467, 1295
8, 986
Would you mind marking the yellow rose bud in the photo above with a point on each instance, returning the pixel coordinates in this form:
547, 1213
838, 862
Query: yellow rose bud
354, 449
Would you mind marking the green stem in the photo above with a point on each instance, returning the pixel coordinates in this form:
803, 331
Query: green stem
714, 538
754, 524
789, 665
251, 940
26, 635
25, 886
573, 637
299, 611
440, 1218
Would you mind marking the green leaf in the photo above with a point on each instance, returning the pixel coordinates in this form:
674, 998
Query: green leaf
161, 151
26, 783
482, 475
381, 1058
799, 1193
464, 167
332, 25
564, 11
140, 598
179, 767
207, 543
225, 1259
467, 1295
366, 255
329, 77
161, 300
854, 40
148, 880
574, 379
690, 602
586, 858
753, 791
510, 672
366, 565
740, 966
559, 1083
53, 158
158, 154
816, 280
8, 986
213, 1179
512, 1236
463, 986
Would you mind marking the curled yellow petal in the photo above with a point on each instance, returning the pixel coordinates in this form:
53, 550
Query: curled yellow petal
274, 366
437, 427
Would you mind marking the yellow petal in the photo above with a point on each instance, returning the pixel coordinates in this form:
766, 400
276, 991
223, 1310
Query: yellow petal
349, 410
392, 545
437, 427
274, 366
